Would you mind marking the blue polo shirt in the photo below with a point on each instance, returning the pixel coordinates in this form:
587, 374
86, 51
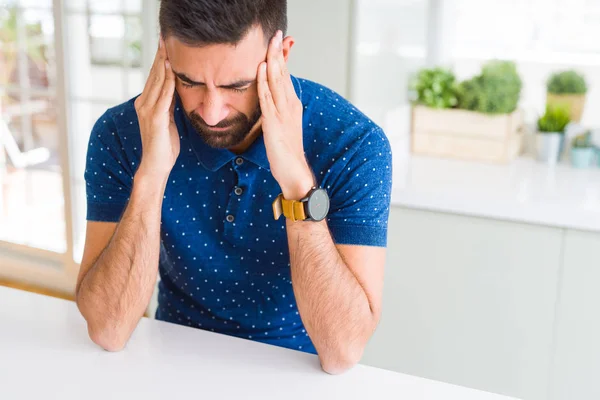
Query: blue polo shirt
224, 262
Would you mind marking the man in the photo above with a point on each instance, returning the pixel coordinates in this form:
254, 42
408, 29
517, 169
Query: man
229, 140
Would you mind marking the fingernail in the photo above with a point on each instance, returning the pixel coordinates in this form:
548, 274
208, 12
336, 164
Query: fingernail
280, 36
167, 64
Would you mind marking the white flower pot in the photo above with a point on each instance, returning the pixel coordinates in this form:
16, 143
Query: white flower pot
549, 147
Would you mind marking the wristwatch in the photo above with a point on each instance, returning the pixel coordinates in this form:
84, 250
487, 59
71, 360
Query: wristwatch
314, 207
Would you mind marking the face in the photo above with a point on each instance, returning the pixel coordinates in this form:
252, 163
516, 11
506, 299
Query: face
217, 86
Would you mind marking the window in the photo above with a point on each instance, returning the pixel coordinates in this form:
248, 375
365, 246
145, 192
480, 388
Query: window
104, 61
393, 39
541, 36
31, 181
62, 64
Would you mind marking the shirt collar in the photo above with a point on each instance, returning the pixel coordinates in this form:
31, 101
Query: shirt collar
257, 153
213, 159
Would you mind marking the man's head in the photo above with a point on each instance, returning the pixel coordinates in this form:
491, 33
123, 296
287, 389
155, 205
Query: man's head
215, 47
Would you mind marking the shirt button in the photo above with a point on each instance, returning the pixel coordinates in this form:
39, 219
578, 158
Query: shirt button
230, 218
239, 161
239, 191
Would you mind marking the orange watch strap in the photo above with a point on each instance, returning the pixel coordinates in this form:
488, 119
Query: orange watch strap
277, 207
291, 209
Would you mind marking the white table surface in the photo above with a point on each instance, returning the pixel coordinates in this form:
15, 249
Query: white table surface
523, 191
45, 353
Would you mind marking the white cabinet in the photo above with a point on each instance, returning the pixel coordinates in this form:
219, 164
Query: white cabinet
576, 366
469, 301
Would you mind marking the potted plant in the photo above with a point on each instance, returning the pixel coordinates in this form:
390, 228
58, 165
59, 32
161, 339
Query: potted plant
582, 151
568, 88
477, 119
495, 91
436, 88
551, 133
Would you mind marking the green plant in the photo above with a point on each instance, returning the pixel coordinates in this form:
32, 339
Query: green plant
555, 119
436, 88
496, 90
582, 141
567, 82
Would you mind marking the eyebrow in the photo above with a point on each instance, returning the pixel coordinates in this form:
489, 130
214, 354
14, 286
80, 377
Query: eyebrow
234, 85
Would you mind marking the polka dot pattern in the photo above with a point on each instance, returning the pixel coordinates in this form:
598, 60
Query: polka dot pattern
225, 264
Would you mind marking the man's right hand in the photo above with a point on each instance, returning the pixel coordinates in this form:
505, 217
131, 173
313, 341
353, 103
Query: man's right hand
154, 107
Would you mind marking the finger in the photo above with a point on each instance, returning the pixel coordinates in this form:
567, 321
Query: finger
172, 110
172, 122
267, 106
168, 89
288, 86
156, 81
280, 58
274, 72
151, 73
285, 79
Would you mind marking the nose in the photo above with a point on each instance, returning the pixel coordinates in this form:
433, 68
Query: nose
213, 109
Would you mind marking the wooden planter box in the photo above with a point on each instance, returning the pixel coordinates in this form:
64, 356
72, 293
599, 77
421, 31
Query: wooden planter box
574, 102
466, 135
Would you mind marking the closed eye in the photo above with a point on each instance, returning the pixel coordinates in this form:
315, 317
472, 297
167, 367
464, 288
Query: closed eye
234, 89
188, 85
239, 86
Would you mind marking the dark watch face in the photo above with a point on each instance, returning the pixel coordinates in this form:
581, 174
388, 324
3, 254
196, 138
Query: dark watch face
318, 205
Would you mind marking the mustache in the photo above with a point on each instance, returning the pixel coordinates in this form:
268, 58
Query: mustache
226, 123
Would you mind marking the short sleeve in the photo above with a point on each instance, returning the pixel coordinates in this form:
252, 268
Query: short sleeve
108, 176
360, 198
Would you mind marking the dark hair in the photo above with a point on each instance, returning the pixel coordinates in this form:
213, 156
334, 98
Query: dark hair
203, 22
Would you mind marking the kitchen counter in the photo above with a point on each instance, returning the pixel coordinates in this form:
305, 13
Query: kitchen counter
46, 354
522, 191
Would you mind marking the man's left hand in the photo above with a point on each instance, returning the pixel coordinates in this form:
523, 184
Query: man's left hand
282, 124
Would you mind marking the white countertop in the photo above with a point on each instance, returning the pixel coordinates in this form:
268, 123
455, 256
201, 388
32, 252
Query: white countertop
45, 353
523, 191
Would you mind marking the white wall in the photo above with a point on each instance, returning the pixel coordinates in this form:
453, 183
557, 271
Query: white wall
322, 31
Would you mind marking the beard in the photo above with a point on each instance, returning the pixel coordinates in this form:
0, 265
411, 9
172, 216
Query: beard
237, 127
